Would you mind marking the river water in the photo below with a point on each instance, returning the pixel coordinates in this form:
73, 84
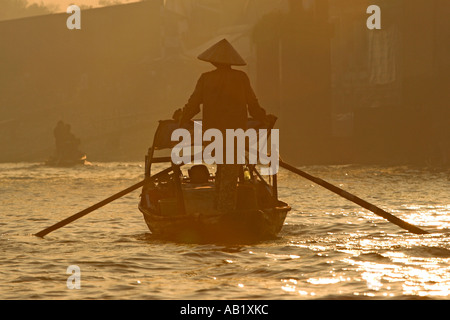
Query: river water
329, 247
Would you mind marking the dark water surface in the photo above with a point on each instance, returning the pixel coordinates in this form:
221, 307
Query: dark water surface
329, 247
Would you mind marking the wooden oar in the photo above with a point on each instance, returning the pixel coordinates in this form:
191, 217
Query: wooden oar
98, 205
399, 222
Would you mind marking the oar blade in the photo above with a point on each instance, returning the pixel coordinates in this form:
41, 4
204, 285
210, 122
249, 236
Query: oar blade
102, 203
88, 210
378, 211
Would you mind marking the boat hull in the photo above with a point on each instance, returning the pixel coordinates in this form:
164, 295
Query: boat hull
245, 225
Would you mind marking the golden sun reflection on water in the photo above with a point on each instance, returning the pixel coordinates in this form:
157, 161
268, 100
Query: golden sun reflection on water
417, 276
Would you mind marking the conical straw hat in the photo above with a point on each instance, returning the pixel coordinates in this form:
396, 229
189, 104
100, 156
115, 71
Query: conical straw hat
223, 53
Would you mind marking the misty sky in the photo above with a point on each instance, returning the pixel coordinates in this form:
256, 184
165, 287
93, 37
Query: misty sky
63, 4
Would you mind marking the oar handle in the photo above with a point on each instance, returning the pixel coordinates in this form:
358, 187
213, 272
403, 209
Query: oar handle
386, 215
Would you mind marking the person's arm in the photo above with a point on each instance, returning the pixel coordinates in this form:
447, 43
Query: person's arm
193, 105
192, 108
254, 109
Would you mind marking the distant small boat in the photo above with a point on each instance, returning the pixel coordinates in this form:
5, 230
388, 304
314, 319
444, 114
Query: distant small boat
181, 207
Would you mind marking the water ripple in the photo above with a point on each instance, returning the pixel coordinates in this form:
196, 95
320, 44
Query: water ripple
329, 248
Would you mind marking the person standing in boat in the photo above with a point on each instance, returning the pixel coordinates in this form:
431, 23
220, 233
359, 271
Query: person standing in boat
227, 98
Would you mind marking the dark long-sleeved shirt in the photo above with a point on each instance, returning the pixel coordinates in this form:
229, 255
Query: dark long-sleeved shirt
227, 98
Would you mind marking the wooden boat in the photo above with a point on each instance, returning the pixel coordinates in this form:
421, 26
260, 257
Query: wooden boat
179, 204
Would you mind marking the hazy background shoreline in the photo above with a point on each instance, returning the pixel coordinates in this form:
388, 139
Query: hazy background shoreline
343, 93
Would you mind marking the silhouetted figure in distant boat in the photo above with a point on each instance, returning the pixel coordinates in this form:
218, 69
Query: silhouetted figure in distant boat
227, 98
70, 141
58, 133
